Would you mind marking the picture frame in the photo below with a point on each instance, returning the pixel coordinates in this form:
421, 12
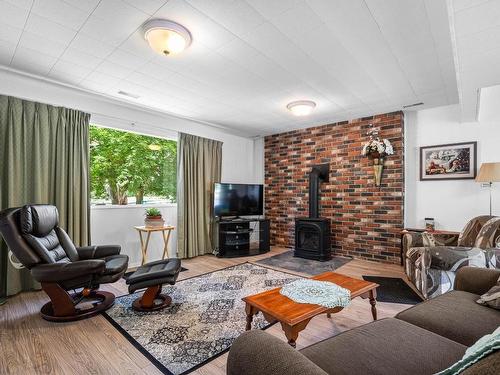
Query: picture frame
453, 161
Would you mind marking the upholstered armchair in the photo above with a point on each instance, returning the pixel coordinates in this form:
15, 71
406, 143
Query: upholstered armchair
33, 235
431, 260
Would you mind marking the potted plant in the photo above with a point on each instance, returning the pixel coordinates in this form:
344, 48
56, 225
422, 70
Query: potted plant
377, 149
153, 218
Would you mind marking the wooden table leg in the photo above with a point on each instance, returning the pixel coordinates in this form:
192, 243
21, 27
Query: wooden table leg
250, 311
144, 247
292, 332
373, 302
328, 315
165, 242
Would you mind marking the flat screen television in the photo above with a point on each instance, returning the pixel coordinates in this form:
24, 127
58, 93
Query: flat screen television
238, 199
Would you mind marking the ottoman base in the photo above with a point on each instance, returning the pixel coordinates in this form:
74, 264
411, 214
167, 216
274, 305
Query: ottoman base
152, 300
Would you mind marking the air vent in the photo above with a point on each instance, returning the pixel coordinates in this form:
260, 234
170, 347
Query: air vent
412, 105
130, 95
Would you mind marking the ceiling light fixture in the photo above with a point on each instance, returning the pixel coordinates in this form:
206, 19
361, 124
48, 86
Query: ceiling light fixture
301, 107
166, 37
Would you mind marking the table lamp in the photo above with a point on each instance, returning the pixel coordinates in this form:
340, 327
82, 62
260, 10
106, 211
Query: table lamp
489, 172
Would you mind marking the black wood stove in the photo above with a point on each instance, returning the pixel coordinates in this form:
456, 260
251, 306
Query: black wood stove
312, 234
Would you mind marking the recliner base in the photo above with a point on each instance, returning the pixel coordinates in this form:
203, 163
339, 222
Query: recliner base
62, 308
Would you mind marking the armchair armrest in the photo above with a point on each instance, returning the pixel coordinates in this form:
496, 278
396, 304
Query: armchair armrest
476, 280
257, 352
97, 252
57, 272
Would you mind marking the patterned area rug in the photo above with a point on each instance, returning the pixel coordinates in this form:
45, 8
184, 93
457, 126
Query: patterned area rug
287, 261
205, 317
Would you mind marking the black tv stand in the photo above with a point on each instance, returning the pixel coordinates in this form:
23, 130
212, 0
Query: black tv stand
235, 237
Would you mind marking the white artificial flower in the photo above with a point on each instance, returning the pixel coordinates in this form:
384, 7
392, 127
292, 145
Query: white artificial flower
363, 152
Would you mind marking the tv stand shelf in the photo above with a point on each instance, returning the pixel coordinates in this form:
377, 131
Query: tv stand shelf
235, 237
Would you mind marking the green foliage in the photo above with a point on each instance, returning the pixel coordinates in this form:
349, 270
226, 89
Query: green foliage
153, 212
123, 164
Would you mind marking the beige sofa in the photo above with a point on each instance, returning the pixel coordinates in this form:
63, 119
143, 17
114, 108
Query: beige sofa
423, 339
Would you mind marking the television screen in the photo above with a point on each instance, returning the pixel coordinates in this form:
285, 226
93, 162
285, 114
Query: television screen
238, 199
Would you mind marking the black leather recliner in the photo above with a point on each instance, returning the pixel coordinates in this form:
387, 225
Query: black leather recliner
34, 237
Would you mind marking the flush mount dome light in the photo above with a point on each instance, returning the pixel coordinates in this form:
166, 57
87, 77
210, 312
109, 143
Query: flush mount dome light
301, 107
166, 37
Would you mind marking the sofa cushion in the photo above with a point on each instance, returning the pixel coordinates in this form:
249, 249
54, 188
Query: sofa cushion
486, 366
454, 315
387, 346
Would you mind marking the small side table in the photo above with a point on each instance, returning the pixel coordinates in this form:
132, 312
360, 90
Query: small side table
165, 231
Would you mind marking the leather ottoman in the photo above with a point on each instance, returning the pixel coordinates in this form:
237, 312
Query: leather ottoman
152, 276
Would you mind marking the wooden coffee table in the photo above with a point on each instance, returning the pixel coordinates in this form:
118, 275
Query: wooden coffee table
294, 316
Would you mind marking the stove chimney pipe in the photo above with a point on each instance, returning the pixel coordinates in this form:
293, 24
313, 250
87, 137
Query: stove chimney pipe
319, 173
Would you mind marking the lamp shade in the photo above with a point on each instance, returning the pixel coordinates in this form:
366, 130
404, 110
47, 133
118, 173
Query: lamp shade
489, 172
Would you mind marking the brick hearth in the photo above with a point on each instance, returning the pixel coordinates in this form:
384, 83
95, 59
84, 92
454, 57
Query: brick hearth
366, 220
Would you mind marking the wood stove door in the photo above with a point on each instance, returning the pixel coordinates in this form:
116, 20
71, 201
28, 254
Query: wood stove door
309, 237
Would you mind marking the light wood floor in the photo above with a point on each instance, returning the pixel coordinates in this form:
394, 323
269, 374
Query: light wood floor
30, 345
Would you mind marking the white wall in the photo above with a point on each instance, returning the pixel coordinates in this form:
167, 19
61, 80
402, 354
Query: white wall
115, 226
453, 202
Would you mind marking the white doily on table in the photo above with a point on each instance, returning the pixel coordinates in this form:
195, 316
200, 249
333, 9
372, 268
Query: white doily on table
316, 292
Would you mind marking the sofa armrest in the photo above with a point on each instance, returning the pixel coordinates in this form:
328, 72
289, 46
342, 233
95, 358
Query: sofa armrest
257, 352
476, 280
57, 272
97, 252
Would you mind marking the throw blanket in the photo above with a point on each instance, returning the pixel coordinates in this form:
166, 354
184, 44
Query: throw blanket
484, 346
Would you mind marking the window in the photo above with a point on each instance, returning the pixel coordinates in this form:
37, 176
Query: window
128, 168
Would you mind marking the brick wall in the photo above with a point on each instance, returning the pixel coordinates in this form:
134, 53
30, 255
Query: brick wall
365, 219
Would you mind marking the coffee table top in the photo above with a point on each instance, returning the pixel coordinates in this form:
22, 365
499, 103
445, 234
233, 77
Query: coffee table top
285, 310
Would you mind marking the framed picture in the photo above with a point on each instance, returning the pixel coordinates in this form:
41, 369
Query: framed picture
456, 161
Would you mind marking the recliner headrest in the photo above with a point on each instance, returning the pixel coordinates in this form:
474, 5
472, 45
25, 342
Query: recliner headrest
39, 220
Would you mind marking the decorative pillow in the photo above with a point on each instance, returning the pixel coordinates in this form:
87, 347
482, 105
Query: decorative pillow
481, 348
492, 297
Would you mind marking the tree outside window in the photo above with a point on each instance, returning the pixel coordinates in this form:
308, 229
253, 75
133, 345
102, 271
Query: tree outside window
127, 166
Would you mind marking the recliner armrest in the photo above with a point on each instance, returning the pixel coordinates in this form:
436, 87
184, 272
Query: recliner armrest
258, 352
57, 272
97, 252
476, 280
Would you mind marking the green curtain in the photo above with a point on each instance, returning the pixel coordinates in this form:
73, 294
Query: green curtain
198, 169
44, 153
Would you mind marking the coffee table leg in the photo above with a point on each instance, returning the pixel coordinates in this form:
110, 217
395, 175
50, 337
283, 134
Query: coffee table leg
250, 311
373, 302
291, 333
328, 315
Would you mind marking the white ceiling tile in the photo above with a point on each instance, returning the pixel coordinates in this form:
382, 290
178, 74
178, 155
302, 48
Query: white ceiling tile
65, 67
25, 4
477, 18
270, 9
155, 70
39, 43
126, 59
103, 79
32, 61
10, 34
75, 56
60, 12
250, 58
85, 5
91, 46
147, 6
237, 16
114, 70
112, 30
12, 15
6, 52
49, 30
